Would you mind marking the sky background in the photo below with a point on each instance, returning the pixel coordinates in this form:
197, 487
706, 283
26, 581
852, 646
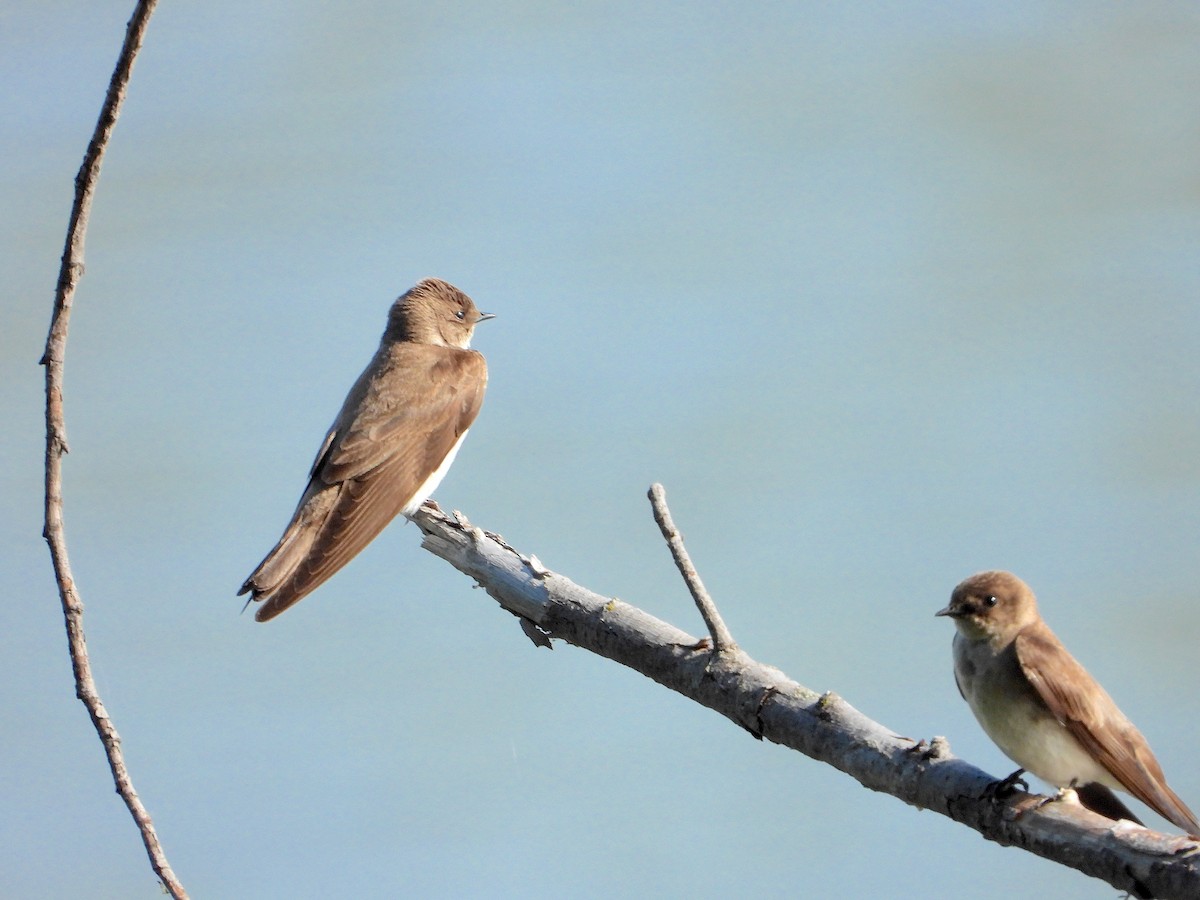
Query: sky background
883, 294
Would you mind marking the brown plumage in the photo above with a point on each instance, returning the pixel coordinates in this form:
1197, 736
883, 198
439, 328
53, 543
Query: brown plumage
1043, 709
396, 435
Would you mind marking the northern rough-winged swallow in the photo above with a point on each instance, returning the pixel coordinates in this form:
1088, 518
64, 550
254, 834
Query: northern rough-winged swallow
389, 447
1043, 709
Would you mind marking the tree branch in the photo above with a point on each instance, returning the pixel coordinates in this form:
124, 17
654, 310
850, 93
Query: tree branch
722, 640
769, 705
70, 272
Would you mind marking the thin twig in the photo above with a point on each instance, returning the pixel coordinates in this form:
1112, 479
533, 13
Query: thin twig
56, 443
721, 638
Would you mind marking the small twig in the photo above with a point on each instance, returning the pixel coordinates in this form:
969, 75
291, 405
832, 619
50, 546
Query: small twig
56, 444
721, 638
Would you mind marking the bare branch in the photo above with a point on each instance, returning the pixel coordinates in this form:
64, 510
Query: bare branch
721, 638
767, 703
69, 274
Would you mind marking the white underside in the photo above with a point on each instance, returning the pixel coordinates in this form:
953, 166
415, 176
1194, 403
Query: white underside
1023, 729
431, 483
1039, 744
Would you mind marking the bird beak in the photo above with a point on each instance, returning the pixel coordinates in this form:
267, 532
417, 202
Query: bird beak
483, 317
945, 612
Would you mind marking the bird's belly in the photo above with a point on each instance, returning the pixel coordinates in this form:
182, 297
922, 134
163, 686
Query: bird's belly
1028, 734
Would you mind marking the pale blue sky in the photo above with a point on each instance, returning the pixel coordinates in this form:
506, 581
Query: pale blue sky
883, 295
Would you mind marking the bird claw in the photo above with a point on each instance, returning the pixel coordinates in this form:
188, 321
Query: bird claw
1006, 787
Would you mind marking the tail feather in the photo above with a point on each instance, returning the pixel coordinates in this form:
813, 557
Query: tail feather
1100, 799
270, 581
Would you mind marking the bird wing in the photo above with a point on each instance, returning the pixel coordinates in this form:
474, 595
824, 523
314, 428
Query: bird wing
1091, 716
418, 420
390, 435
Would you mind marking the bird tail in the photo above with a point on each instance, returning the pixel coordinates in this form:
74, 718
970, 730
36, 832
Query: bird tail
273, 582
1100, 799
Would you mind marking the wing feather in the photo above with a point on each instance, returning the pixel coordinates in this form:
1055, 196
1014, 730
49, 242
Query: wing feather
1089, 713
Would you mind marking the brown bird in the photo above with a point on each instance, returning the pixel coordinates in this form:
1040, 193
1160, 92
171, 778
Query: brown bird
390, 446
1043, 709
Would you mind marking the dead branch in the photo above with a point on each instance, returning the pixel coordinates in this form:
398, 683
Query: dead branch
70, 272
769, 705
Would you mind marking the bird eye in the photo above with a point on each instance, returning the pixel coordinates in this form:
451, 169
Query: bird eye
460, 315
990, 600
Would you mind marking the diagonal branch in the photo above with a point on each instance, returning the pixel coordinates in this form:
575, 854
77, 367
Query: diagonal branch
69, 274
722, 640
823, 726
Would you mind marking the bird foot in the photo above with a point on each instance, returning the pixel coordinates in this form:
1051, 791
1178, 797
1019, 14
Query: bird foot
1006, 787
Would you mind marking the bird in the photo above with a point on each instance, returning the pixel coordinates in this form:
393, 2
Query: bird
1043, 709
389, 447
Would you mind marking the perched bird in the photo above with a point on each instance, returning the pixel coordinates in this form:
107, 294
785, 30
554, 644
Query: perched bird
1043, 709
390, 446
